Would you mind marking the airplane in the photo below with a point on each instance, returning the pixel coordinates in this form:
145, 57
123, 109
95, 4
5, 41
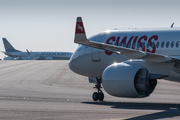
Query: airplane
19, 55
127, 62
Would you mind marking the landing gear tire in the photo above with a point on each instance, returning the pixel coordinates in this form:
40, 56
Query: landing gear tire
101, 96
98, 95
95, 96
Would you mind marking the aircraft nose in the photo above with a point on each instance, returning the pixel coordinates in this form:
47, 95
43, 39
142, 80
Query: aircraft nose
71, 64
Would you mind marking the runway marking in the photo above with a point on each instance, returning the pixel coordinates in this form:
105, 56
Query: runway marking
52, 81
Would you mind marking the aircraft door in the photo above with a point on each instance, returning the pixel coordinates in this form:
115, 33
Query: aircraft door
95, 51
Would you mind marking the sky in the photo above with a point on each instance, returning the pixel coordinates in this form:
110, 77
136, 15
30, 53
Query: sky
49, 25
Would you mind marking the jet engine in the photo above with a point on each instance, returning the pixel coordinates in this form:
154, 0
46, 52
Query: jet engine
127, 80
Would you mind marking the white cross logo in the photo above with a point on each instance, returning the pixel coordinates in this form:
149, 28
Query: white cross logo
80, 27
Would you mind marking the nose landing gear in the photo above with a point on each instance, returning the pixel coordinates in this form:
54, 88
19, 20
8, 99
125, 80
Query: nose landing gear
98, 95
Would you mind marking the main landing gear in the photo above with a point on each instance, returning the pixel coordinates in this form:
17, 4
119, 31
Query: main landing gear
98, 95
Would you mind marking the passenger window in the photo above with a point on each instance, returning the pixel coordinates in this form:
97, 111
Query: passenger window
162, 44
124, 44
177, 44
148, 45
167, 44
152, 45
129, 45
138, 45
143, 45
157, 44
172, 44
134, 44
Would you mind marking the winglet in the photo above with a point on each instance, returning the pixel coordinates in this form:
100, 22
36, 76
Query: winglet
80, 34
28, 52
172, 25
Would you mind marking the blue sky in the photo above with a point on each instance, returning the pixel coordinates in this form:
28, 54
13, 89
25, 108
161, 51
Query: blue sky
48, 25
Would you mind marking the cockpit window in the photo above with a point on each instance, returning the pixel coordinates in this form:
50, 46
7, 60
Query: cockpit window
79, 47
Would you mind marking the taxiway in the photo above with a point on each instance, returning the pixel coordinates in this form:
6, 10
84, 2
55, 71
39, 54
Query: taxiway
38, 90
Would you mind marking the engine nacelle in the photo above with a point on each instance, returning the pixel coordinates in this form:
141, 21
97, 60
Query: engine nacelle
127, 80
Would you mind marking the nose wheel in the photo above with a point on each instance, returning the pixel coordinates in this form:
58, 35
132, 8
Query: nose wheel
98, 95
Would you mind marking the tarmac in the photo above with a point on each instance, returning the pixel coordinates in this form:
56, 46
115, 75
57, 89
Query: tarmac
40, 90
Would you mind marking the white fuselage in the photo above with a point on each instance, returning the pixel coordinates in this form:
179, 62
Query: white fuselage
92, 62
42, 55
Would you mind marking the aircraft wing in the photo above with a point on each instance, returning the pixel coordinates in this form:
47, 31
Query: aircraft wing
80, 38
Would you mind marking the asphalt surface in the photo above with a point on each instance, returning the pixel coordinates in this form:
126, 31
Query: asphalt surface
39, 90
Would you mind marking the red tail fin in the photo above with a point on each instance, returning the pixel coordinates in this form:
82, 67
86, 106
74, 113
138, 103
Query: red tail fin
79, 26
80, 34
